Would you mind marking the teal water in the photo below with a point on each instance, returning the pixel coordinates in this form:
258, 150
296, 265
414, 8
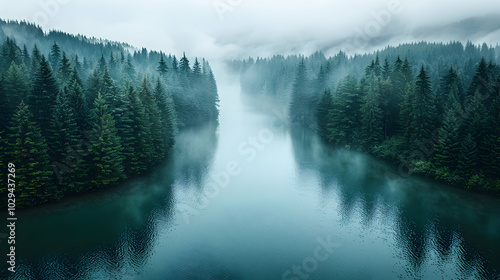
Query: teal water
253, 198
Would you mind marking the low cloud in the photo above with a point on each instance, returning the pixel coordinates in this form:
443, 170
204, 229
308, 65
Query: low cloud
242, 28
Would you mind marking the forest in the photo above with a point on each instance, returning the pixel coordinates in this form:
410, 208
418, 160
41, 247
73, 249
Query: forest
431, 108
80, 114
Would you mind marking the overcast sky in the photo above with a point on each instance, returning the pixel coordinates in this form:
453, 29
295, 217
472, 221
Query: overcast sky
240, 28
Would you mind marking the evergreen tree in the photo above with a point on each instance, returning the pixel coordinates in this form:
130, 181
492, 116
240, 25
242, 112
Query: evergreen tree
105, 161
28, 151
35, 59
55, 56
162, 67
76, 101
141, 134
324, 106
94, 87
421, 104
167, 114
372, 115
64, 72
4, 108
448, 147
344, 119
15, 88
185, 72
65, 145
154, 119
43, 95
298, 110
468, 157
175, 65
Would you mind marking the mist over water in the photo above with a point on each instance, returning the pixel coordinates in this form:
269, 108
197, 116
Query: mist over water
253, 198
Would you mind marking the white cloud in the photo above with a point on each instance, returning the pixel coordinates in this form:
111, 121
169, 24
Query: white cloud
239, 28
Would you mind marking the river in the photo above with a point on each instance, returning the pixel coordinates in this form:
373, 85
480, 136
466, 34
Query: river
253, 198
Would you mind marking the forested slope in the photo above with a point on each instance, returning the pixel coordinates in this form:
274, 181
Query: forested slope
79, 114
433, 108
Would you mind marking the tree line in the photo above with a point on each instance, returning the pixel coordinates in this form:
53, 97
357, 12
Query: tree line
71, 125
437, 121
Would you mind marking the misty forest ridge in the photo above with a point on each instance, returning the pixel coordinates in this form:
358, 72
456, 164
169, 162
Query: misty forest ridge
140, 164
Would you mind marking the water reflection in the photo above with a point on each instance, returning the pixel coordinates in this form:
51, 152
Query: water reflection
112, 233
439, 231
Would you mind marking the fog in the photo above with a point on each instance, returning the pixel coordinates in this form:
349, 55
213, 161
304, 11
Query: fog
242, 28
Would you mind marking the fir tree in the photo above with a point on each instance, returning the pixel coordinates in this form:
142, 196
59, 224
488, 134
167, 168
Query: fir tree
154, 119
15, 88
324, 107
55, 56
28, 151
43, 95
298, 110
105, 161
162, 67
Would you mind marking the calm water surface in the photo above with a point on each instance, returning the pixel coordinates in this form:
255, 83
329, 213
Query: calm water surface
255, 199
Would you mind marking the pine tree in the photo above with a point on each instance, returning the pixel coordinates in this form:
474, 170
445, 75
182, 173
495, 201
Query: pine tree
28, 151
94, 87
468, 157
298, 109
185, 72
35, 59
422, 109
448, 147
344, 118
15, 87
55, 56
4, 108
105, 161
124, 125
324, 106
43, 95
162, 67
65, 144
140, 131
64, 72
167, 112
196, 72
175, 65
102, 65
129, 68
154, 119
372, 115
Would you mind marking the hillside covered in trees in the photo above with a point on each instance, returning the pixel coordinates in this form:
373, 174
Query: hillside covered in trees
432, 108
80, 113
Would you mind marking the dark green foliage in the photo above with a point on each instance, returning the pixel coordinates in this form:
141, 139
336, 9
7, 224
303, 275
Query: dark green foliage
15, 88
105, 161
27, 149
139, 131
451, 133
43, 95
324, 106
167, 114
162, 67
55, 56
88, 135
64, 72
372, 115
344, 118
153, 117
299, 109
